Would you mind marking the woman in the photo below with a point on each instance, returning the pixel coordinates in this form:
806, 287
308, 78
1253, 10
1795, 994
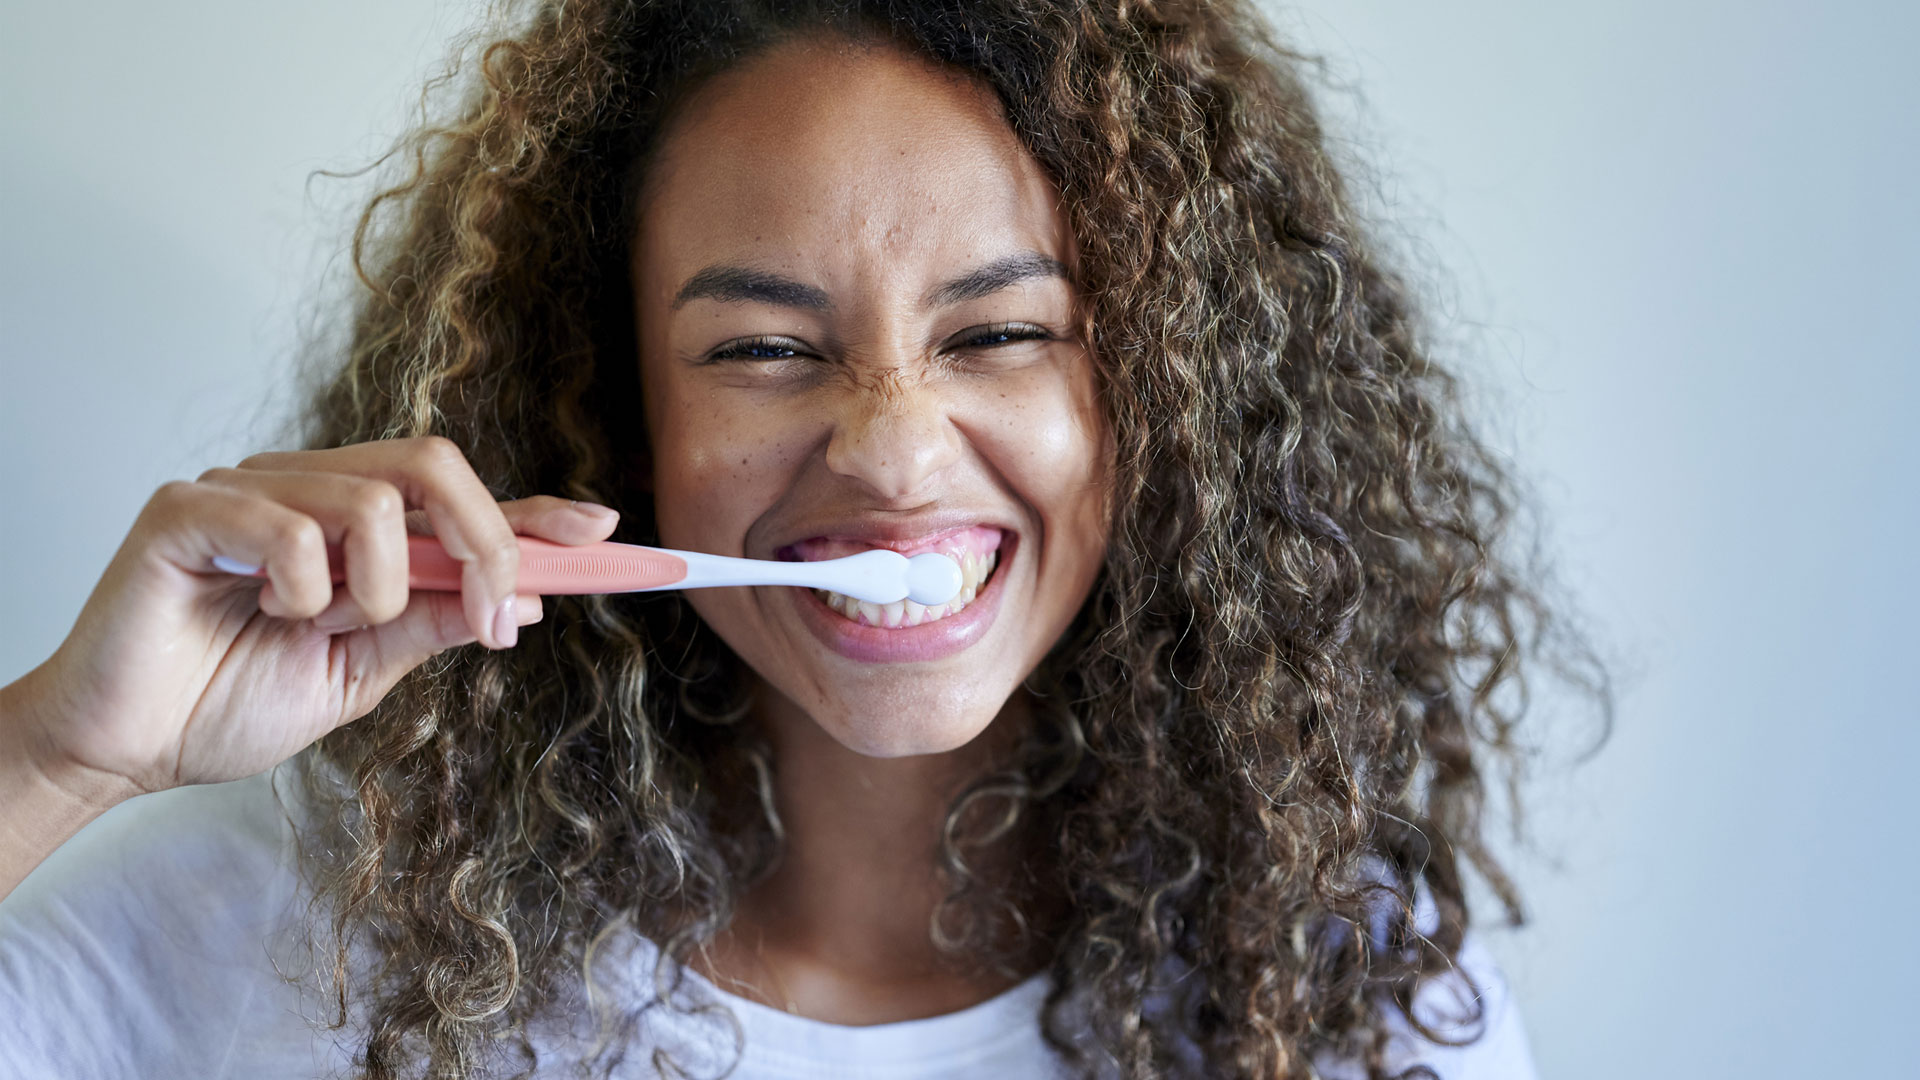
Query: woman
1069, 290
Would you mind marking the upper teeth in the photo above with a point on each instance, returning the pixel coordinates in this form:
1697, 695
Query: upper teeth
974, 568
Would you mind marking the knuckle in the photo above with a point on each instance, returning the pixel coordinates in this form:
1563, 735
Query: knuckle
374, 501
519, 512
500, 556
266, 459
170, 503
297, 534
440, 452
216, 475
172, 495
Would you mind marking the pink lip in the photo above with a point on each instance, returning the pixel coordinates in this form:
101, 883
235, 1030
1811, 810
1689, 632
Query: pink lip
928, 641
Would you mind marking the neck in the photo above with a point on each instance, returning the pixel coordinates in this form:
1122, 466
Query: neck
841, 930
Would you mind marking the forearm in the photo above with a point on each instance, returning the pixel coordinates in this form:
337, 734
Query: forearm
41, 804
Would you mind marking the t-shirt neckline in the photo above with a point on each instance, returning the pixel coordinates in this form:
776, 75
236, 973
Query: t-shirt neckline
971, 1032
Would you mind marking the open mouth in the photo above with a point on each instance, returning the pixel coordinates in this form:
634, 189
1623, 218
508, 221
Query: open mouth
976, 549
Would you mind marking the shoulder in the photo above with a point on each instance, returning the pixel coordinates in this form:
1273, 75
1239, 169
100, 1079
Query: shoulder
159, 915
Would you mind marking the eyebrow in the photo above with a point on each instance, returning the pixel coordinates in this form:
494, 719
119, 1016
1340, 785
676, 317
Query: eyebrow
745, 285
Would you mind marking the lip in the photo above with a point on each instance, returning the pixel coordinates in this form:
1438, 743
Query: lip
928, 641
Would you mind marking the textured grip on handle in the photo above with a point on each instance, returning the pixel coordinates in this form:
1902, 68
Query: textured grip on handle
571, 570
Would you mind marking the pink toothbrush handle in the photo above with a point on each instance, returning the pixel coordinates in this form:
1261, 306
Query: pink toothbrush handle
546, 568
551, 569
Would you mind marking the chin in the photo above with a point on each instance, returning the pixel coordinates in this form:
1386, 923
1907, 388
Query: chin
881, 733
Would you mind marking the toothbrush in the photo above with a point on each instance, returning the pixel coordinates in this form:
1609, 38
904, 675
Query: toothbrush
878, 576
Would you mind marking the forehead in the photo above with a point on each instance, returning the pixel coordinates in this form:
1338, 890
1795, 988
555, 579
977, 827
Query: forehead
845, 151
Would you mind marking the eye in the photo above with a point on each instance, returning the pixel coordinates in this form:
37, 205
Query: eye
761, 348
1004, 334
773, 348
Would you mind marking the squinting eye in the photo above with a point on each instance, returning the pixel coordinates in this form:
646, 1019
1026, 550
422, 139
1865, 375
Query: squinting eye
750, 349
1006, 334
754, 349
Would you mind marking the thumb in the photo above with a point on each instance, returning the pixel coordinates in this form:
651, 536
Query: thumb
377, 656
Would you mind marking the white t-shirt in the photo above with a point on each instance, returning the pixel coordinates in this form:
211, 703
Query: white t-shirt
147, 947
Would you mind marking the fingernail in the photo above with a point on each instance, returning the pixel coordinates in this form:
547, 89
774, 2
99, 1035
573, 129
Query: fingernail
594, 509
506, 628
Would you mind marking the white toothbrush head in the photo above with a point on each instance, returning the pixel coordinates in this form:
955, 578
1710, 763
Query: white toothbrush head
877, 575
932, 578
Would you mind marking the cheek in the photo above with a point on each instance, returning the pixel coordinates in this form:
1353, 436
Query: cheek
1048, 438
1077, 519
716, 469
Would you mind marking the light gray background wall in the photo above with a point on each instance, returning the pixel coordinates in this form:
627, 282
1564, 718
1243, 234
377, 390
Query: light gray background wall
1679, 239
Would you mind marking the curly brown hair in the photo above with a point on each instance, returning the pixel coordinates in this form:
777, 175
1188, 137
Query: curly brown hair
1267, 727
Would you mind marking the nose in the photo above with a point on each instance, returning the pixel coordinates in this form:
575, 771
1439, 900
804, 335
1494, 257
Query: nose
893, 433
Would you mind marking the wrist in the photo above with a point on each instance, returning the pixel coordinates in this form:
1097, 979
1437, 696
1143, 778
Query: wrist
44, 798
29, 714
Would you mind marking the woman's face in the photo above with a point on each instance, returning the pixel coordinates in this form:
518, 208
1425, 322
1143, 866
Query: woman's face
857, 330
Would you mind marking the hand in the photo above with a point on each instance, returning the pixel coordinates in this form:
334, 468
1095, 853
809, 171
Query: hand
176, 673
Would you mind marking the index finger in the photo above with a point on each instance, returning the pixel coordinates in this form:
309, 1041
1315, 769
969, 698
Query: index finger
434, 476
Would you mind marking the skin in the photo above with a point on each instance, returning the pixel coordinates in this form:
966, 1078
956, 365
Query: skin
872, 178
175, 673
865, 174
